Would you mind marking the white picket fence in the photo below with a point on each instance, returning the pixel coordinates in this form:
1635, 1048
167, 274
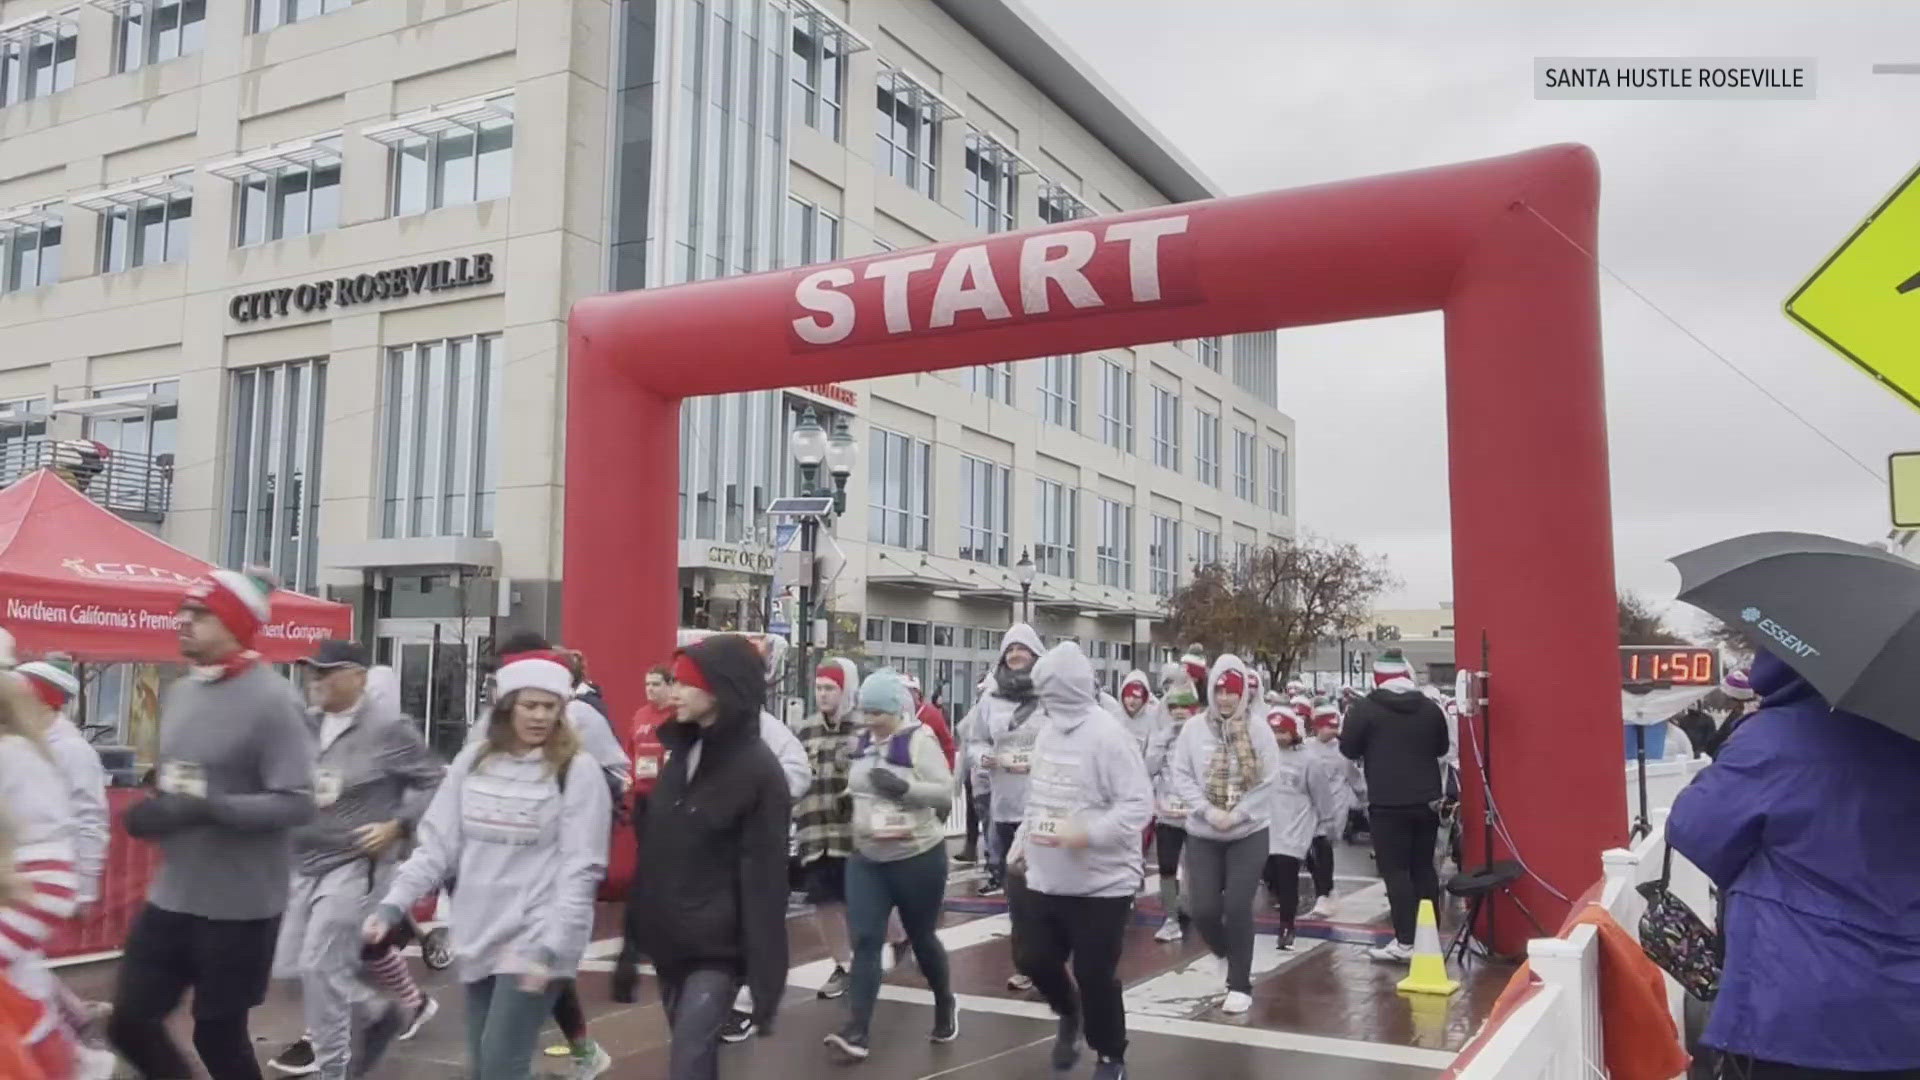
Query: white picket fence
1555, 1032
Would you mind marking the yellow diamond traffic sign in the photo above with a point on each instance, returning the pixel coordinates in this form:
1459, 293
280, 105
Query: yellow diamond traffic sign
1864, 301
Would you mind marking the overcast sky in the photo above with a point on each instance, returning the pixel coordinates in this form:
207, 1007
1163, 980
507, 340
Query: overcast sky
1715, 210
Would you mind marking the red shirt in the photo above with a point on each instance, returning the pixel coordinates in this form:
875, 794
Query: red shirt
936, 722
644, 748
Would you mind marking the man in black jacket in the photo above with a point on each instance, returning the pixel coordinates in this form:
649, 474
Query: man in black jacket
1399, 736
712, 901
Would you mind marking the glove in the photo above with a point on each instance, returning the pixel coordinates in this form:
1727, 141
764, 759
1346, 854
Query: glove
163, 815
890, 784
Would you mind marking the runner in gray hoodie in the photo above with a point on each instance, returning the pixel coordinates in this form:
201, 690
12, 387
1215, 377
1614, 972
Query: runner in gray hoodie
1079, 843
999, 733
521, 821
1224, 766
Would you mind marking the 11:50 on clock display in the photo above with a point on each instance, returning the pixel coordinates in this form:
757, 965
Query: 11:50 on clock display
1644, 664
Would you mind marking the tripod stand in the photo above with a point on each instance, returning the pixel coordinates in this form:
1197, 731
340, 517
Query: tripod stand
1493, 877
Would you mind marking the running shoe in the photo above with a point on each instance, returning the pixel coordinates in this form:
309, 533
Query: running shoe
837, 983
1066, 1044
428, 1009
1019, 983
989, 887
1236, 1003
591, 1064
946, 1021
93, 1063
849, 1042
296, 1059
967, 857
738, 1028
1392, 952
1110, 1069
1286, 939
1171, 930
1322, 908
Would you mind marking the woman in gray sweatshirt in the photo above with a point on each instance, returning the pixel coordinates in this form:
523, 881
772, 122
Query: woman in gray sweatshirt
521, 822
899, 780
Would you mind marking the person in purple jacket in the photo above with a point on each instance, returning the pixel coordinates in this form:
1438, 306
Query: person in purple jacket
1806, 824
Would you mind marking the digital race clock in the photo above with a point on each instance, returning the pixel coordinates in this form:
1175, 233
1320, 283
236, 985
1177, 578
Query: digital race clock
1666, 665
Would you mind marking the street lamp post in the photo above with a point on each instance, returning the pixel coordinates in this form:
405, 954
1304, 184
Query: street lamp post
811, 448
1024, 571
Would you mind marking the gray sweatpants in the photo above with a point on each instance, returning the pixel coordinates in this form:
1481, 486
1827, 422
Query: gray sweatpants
320, 945
1221, 878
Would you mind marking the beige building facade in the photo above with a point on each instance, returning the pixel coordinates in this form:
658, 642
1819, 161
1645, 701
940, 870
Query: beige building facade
302, 268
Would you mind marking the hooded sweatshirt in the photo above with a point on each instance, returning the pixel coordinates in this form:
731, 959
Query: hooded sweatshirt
377, 769
885, 828
86, 778
1087, 769
1303, 797
1399, 737
1168, 807
1142, 724
33, 803
1326, 757
527, 845
1001, 727
823, 816
1805, 822
1192, 759
712, 880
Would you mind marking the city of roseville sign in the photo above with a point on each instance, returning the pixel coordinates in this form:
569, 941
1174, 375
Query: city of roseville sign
438, 276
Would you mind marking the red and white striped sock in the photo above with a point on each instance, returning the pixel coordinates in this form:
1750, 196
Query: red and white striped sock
389, 973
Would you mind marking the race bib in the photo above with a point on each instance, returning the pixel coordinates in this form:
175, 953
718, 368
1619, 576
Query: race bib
646, 768
891, 824
1017, 761
1046, 826
183, 778
1173, 809
326, 787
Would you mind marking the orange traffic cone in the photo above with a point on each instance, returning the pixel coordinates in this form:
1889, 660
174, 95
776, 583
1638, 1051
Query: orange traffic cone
1429, 972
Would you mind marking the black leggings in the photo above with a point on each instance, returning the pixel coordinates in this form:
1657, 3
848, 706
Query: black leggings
1283, 884
1167, 842
973, 816
1320, 865
1403, 840
568, 1014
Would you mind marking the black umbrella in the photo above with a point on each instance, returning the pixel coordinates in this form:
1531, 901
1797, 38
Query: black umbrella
1843, 615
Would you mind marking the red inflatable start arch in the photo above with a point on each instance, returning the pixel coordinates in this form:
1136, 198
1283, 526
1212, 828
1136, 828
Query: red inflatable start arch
1499, 245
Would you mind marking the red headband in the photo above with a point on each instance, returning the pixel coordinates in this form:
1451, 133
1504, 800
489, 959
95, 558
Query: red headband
833, 673
688, 673
1232, 681
225, 605
1286, 724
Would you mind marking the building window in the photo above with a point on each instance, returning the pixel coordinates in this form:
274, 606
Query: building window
1206, 547
287, 190
1242, 554
1056, 525
1246, 452
1060, 391
30, 247
1058, 206
21, 421
441, 438
1206, 447
145, 224
819, 71
268, 14
1116, 406
993, 178
986, 511
276, 433
37, 56
1277, 475
993, 381
1166, 428
1163, 556
1113, 559
908, 128
450, 156
152, 31
899, 481
813, 235
149, 429
1210, 350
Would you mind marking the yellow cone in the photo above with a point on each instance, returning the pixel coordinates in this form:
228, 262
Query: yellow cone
1429, 972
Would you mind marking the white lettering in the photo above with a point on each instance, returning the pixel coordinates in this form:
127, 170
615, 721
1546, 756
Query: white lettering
818, 292
893, 289
967, 284
1038, 267
1143, 251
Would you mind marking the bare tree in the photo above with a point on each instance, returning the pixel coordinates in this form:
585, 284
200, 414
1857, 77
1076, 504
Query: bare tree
1641, 625
1281, 601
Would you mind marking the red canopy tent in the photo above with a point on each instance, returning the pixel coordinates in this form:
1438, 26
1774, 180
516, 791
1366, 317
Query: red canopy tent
76, 578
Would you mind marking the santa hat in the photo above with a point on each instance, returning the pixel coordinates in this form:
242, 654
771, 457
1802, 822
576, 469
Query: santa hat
52, 679
1325, 716
533, 673
238, 600
1232, 681
1738, 685
1392, 672
1282, 720
1195, 664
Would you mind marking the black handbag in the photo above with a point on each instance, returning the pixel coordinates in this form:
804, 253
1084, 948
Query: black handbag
1676, 939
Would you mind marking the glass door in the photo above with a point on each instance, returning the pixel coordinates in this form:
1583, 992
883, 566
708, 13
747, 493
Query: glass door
438, 684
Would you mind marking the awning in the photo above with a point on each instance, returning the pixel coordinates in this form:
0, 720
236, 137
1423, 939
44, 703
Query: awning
319, 151
134, 193
78, 579
996, 153
916, 94
820, 24
467, 113
38, 215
